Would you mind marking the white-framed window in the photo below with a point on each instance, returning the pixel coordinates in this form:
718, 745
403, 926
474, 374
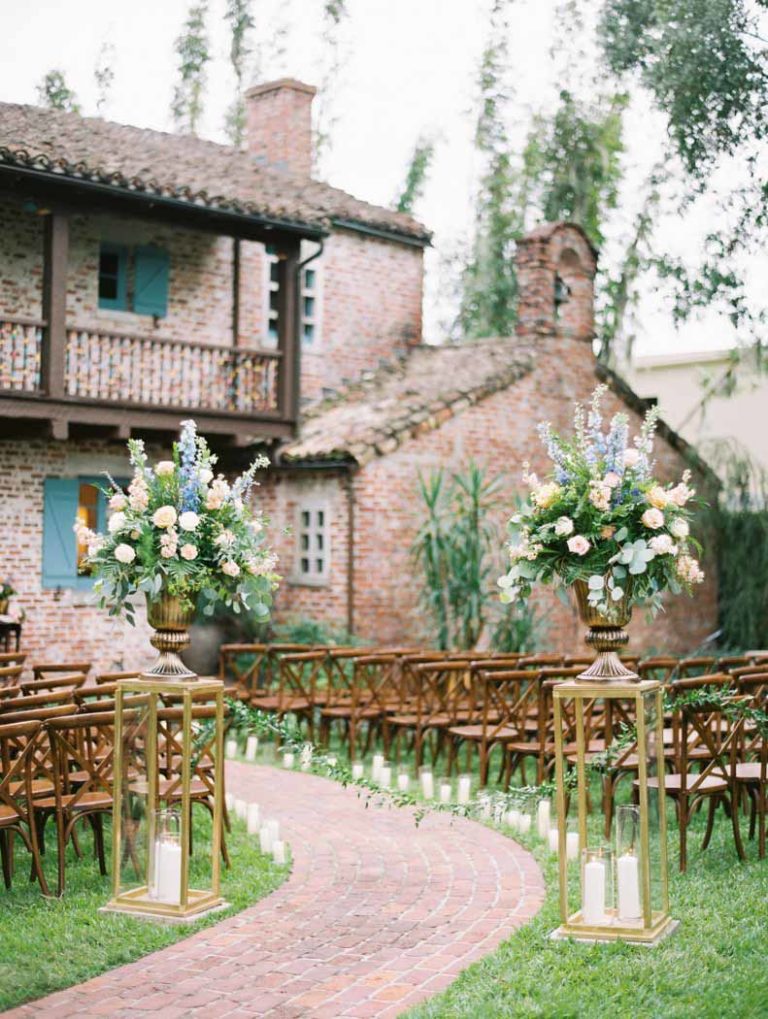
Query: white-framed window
313, 543
310, 299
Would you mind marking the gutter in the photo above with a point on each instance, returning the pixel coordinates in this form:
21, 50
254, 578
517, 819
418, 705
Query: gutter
382, 234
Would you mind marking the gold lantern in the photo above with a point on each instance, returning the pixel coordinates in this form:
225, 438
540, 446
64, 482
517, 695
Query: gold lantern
169, 759
616, 890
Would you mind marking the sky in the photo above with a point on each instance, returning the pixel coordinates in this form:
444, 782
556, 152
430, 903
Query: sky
407, 69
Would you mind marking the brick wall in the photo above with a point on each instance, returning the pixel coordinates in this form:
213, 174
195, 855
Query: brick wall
63, 625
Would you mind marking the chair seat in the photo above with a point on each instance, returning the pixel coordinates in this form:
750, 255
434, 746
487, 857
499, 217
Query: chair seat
88, 801
8, 816
282, 704
673, 784
350, 712
478, 732
40, 787
749, 771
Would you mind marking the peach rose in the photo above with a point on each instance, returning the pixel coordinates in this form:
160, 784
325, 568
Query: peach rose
165, 516
578, 544
653, 518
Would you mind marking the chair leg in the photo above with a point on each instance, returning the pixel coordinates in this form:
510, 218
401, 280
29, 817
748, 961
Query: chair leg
736, 829
4, 850
682, 819
713, 802
98, 837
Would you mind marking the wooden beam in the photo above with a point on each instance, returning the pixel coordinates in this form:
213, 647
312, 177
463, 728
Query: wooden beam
54, 347
59, 429
288, 320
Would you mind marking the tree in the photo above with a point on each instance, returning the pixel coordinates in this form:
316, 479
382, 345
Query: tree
416, 175
104, 75
192, 49
240, 19
334, 14
54, 93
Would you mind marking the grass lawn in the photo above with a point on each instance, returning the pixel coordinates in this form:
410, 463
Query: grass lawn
713, 966
48, 944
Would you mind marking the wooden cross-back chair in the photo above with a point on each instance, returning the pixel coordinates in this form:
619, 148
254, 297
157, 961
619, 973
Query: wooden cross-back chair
295, 692
70, 681
241, 665
17, 746
662, 668
41, 670
334, 678
691, 668
31, 702
749, 758
77, 757
703, 739
363, 706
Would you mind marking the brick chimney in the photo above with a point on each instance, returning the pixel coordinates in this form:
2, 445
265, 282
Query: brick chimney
278, 128
556, 267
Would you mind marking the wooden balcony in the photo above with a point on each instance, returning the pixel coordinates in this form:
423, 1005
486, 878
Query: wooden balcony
141, 383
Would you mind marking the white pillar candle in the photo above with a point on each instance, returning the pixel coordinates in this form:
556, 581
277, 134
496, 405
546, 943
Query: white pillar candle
229, 800
445, 792
628, 886
484, 803
251, 748
306, 757
524, 823
241, 809
358, 770
168, 872
465, 786
593, 893
385, 776
278, 851
554, 840
230, 748
572, 845
403, 782
542, 818
265, 838
331, 760
288, 759
427, 785
513, 819
252, 818
378, 761
274, 829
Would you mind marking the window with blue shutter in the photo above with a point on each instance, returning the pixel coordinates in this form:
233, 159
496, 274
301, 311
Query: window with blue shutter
66, 500
151, 273
113, 277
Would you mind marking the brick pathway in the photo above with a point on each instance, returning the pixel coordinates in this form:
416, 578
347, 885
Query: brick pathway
377, 915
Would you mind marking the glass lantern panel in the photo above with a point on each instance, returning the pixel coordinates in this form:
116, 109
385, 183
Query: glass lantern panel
654, 754
135, 811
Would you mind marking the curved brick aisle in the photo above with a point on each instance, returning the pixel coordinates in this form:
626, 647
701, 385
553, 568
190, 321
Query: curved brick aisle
377, 915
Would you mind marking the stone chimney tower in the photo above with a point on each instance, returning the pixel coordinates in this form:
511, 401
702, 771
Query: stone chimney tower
556, 267
278, 128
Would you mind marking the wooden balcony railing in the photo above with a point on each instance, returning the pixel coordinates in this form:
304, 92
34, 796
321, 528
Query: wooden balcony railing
143, 372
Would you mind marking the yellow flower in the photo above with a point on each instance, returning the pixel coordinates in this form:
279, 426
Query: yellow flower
657, 497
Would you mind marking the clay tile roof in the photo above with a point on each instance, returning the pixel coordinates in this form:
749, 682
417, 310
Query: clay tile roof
416, 394
182, 167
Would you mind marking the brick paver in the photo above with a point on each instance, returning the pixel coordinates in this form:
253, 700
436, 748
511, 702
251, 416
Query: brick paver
376, 915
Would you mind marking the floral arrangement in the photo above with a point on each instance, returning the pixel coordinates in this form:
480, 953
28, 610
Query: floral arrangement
601, 517
183, 530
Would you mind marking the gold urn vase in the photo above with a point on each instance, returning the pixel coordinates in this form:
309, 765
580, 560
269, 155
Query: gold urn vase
606, 637
170, 618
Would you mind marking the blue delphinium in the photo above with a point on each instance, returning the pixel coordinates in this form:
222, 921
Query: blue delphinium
616, 444
554, 452
190, 481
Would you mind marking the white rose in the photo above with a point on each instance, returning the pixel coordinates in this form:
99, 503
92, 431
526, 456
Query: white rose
188, 552
653, 518
563, 526
165, 468
188, 521
165, 516
578, 544
631, 457
662, 544
124, 554
205, 476
116, 523
612, 479
680, 528
230, 568
118, 501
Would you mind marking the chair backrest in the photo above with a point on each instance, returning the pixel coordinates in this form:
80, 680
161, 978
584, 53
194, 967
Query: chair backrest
751, 745
702, 732
659, 667
85, 744
540, 660
242, 664
729, 662
28, 702
109, 678
16, 749
298, 676
701, 666
71, 681
12, 658
512, 701
755, 688
38, 714
377, 683
42, 669
9, 691
445, 689
10, 675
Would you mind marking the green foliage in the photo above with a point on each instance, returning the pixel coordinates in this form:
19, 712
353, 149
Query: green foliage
241, 24
743, 576
416, 175
312, 631
454, 549
89, 942
193, 50
54, 93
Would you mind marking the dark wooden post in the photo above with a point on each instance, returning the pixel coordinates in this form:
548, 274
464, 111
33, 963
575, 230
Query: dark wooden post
288, 319
55, 258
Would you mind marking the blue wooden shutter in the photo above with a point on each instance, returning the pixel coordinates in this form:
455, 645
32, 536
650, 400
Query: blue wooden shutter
152, 269
60, 500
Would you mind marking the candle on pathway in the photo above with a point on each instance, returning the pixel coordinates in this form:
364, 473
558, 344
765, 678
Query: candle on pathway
241, 809
229, 801
628, 881
331, 760
358, 770
265, 838
524, 823
230, 749
385, 776
484, 802
288, 759
251, 748
445, 792
513, 819
543, 818
465, 787
252, 818
278, 851
572, 845
554, 840
378, 761
427, 784
403, 781
593, 893
274, 830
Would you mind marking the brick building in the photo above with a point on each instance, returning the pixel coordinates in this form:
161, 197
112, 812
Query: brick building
146, 278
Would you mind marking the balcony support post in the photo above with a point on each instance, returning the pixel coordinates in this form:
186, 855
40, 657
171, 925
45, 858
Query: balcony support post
288, 319
54, 346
